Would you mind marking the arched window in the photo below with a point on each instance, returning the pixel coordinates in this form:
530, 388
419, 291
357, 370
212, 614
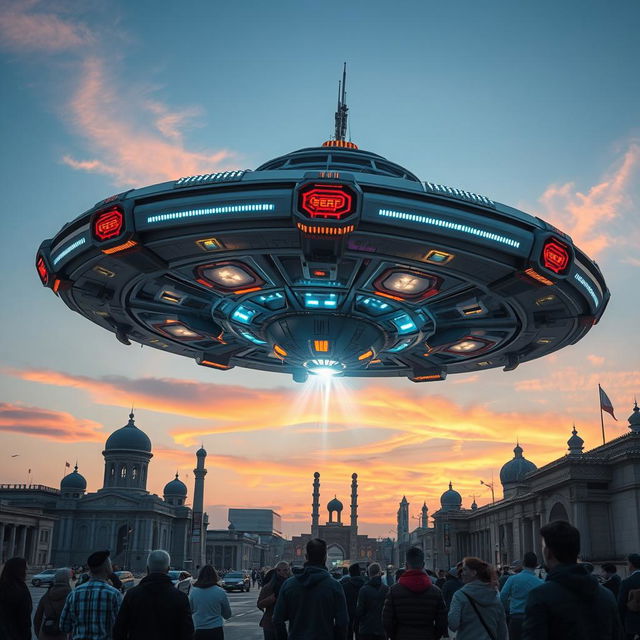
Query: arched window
112, 471
134, 472
123, 471
558, 512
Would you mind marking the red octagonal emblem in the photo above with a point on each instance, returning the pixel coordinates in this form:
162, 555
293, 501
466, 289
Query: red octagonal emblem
326, 201
555, 256
108, 224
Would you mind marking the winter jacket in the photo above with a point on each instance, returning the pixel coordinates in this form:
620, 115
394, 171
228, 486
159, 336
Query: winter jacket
630, 619
154, 610
314, 604
450, 586
352, 586
369, 607
414, 608
267, 602
570, 605
464, 619
50, 606
613, 584
15, 611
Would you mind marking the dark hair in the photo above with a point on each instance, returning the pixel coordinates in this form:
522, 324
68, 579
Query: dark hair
399, 573
207, 577
269, 576
610, 568
316, 551
354, 569
530, 560
563, 540
634, 559
414, 558
14, 571
486, 573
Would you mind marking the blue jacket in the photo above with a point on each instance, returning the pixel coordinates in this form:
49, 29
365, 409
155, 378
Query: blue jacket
314, 604
516, 589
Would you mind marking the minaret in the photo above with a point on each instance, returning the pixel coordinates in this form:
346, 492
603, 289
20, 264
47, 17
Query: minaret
315, 513
403, 519
576, 443
424, 520
198, 542
353, 530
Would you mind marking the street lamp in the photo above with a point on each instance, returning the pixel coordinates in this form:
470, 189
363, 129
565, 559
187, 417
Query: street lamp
490, 485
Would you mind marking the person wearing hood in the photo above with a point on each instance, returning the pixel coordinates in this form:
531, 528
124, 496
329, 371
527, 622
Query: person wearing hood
352, 584
273, 581
155, 609
451, 584
414, 608
47, 619
312, 601
15, 601
369, 606
570, 604
476, 612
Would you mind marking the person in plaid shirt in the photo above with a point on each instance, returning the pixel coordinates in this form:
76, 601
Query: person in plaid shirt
91, 609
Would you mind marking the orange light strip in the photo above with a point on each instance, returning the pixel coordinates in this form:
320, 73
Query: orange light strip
279, 351
204, 282
365, 355
388, 295
536, 276
340, 143
121, 247
321, 345
56, 285
239, 292
435, 376
210, 363
325, 231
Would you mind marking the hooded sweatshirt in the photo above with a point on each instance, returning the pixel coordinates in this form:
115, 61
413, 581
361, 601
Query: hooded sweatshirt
50, 606
351, 586
571, 605
369, 609
414, 608
314, 604
464, 619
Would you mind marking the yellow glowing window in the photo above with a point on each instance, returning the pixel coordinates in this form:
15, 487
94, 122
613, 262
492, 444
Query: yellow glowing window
321, 345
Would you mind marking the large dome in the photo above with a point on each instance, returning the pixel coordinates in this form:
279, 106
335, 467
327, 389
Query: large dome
73, 481
129, 437
450, 499
334, 505
175, 488
517, 468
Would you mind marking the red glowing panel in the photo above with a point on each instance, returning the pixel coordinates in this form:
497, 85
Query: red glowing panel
108, 224
326, 201
42, 270
555, 256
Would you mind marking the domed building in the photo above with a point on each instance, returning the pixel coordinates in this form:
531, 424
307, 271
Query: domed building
513, 473
450, 500
122, 515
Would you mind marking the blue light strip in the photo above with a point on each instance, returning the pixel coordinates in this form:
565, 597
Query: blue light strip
68, 250
588, 287
446, 224
252, 338
193, 213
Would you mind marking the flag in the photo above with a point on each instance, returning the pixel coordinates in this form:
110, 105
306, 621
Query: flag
605, 403
66, 464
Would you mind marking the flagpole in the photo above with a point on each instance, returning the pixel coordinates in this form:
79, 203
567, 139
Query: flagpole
601, 416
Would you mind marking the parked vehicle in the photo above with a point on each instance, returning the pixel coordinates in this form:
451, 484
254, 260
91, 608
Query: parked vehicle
44, 578
178, 575
236, 581
127, 579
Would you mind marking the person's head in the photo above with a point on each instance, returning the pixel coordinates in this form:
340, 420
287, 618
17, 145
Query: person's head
158, 561
560, 543
609, 569
354, 569
207, 577
99, 564
282, 570
316, 552
15, 570
399, 573
373, 569
453, 573
588, 567
634, 561
441, 573
61, 578
414, 558
530, 560
476, 569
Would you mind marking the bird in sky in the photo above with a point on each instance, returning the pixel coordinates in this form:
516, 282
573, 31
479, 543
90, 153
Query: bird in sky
15, 455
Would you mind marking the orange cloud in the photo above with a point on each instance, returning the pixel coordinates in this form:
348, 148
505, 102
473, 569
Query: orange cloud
44, 423
25, 28
596, 361
573, 379
137, 140
589, 217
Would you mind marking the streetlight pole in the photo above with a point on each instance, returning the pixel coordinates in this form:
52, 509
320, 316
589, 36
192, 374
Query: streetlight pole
490, 485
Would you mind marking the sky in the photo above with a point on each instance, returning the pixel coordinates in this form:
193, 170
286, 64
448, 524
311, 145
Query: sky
536, 105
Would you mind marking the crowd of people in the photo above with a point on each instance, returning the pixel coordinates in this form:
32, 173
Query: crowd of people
468, 602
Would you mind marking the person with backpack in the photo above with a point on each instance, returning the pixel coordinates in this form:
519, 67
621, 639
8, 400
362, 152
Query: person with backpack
570, 604
46, 622
629, 598
476, 612
369, 607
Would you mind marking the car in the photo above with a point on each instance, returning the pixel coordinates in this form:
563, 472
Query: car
236, 580
44, 578
127, 579
178, 575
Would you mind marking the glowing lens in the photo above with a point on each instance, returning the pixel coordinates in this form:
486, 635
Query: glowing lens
230, 276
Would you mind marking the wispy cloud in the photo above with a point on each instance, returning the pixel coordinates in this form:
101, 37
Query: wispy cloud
574, 379
137, 140
54, 425
27, 26
589, 217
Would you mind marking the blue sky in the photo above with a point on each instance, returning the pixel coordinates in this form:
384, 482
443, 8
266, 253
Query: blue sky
532, 104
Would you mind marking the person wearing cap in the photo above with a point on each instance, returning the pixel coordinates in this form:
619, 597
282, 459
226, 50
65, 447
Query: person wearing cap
155, 609
47, 619
515, 591
90, 610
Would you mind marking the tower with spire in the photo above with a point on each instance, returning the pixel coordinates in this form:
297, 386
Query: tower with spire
315, 507
353, 537
424, 517
198, 531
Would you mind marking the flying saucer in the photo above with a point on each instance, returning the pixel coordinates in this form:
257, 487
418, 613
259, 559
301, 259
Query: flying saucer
329, 260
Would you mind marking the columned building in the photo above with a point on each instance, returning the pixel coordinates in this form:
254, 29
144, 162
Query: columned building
598, 491
25, 532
